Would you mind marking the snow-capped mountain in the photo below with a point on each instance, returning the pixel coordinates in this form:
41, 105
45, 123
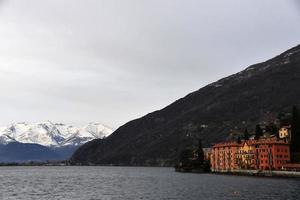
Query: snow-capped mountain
52, 134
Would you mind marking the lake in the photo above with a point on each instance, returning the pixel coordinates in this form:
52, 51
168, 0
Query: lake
107, 183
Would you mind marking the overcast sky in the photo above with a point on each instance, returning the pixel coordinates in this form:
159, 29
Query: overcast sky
111, 61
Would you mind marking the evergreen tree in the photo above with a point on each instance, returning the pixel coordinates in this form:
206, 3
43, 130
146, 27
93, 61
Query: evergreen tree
285, 119
193, 159
274, 130
200, 153
239, 141
186, 156
295, 132
246, 134
258, 132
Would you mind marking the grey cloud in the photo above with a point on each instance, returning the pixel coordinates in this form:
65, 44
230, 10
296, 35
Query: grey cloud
111, 61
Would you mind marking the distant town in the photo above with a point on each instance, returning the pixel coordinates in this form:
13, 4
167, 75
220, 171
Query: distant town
265, 153
272, 148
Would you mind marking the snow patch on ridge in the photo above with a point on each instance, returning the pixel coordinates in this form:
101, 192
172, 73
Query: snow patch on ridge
54, 135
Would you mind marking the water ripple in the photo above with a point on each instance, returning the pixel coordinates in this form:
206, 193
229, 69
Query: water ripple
110, 183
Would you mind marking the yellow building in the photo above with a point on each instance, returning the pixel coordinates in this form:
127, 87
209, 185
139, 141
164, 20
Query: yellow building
245, 155
285, 132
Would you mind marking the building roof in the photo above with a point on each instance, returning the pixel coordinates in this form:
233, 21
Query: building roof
272, 140
226, 144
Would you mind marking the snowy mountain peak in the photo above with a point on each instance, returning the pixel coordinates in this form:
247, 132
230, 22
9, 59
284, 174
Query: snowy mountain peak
52, 134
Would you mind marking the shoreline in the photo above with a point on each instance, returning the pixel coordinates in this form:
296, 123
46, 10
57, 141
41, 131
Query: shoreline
253, 173
259, 173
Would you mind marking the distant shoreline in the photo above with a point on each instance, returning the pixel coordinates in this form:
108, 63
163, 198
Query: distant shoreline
67, 163
34, 163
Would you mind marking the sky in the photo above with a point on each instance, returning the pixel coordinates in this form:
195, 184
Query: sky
111, 61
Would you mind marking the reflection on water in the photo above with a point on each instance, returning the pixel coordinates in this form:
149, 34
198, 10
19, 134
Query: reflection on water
136, 183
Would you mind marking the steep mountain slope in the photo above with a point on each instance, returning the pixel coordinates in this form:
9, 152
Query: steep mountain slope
240, 100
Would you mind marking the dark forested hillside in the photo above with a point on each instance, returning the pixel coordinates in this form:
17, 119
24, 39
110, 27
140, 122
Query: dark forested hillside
240, 100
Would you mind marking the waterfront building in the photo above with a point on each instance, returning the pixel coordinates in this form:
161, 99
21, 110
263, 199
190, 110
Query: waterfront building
245, 156
223, 156
263, 154
272, 154
285, 132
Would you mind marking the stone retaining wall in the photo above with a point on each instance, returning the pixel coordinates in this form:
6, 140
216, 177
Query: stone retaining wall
290, 174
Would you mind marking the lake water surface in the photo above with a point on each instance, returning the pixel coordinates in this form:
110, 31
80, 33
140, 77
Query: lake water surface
87, 183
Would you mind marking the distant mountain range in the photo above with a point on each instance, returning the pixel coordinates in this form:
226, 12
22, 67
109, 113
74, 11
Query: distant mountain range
21, 142
211, 113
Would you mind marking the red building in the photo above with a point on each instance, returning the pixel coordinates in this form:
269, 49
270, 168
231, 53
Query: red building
264, 154
272, 154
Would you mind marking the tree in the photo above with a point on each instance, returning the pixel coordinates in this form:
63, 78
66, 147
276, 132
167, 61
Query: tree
258, 132
272, 129
186, 156
246, 134
193, 159
295, 132
199, 152
239, 141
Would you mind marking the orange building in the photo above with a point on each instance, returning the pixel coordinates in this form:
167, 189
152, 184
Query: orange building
264, 154
223, 156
